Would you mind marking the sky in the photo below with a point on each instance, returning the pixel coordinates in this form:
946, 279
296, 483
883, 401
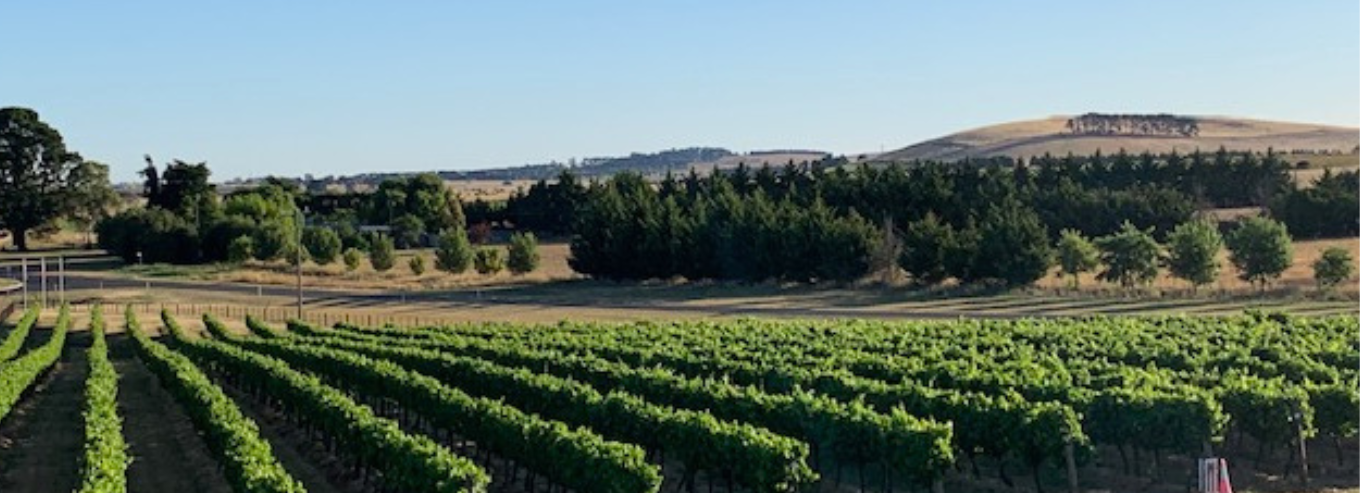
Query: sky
289, 88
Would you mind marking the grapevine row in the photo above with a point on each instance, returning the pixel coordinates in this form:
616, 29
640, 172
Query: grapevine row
14, 341
405, 462
18, 375
753, 457
104, 467
920, 449
248, 461
578, 459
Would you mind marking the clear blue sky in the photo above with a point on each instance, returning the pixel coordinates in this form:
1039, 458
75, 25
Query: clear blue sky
322, 87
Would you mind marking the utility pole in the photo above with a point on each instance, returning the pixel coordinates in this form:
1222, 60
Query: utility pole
25, 269
42, 267
297, 251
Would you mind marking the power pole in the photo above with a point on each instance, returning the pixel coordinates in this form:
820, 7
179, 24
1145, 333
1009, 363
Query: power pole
298, 257
25, 269
42, 266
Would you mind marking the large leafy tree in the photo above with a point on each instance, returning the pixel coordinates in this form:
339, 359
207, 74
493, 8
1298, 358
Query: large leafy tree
35, 169
91, 197
1192, 252
1076, 255
1130, 256
423, 196
1261, 249
1333, 267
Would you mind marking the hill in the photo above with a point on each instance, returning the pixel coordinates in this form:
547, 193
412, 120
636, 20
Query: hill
1085, 134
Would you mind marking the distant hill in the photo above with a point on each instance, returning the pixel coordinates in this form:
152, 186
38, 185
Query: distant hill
1159, 133
678, 161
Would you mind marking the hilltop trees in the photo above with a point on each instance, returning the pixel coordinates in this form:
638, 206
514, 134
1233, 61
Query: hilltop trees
35, 169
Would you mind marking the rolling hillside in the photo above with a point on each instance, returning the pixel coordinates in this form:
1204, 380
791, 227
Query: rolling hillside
1138, 133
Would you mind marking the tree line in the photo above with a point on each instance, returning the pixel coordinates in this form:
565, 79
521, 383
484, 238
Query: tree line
992, 221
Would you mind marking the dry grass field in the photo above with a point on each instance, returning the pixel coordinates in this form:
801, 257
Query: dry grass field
554, 267
487, 190
1038, 137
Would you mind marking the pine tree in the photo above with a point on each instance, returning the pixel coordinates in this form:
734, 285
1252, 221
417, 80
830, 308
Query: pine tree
523, 253
927, 245
455, 253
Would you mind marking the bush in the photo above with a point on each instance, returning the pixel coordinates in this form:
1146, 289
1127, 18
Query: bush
1334, 267
382, 254
323, 244
353, 257
417, 265
454, 254
489, 260
523, 256
240, 250
293, 254
273, 240
1260, 249
158, 234
219, 235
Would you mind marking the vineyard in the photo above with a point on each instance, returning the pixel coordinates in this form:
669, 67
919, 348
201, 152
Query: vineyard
1106, 404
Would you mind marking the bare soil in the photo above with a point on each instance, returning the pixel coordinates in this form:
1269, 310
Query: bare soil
167, 452
42, 439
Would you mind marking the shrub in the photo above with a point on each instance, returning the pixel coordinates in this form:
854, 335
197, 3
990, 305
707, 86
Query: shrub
240, 250
523, 254
323, 244
489, 260
454, 254
353, 257
417, 265
382, 254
